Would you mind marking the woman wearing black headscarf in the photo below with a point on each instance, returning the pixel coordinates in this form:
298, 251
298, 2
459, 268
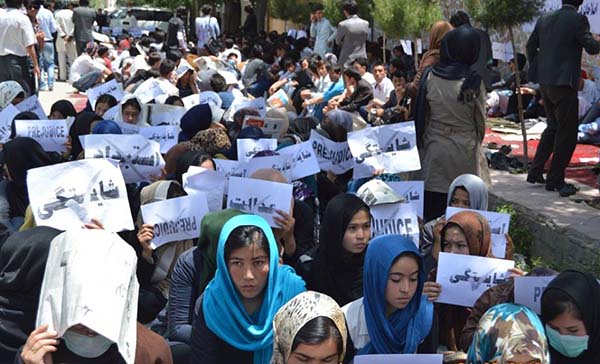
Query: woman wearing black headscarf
336, 267
62, 109
22, 264
571, 313
21, 155
81, 126
450, 119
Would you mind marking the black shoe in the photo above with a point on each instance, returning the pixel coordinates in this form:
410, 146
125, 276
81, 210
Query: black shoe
564, 190
535, 178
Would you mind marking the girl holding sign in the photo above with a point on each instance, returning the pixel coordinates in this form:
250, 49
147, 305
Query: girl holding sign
234, 318
309, 328
571, 312
393, 317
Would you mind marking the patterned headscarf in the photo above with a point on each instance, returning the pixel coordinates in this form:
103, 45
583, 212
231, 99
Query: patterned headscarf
476, 229
292, 317
211, 141
8, 91
507, 330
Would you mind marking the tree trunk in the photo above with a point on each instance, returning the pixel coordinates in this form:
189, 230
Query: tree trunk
261, 14
384, 48
519, 99
233, 14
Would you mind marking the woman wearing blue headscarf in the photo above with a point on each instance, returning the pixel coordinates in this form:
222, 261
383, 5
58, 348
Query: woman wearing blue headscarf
233, 320
393, 317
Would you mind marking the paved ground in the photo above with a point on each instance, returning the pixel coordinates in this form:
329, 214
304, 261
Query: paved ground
62, 90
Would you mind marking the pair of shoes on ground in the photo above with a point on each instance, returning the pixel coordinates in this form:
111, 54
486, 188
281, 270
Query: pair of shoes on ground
563, 189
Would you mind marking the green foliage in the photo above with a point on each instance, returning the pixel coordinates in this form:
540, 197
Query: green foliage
521, 236
504, 13
297, 11
406, 18
333, 10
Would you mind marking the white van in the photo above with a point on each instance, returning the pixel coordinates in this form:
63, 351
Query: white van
145, 18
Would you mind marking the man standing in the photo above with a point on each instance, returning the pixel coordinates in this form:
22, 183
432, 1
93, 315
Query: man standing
176, 37
352, 35
83, 19
65, 44
322, 31
48, 26
554, 51
207, 27
17, 41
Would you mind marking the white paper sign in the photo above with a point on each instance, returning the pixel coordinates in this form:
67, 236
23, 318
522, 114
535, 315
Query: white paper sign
112, 113
231, 168
211, 98
332, 156
399, 359
282, 163
259, 197
162, 114
191, 101
391, 148
148, 90
303, 158
499, 225
32, 104
529, 290
175, 219
139, 158
74, 292
165, 135
127, 128
51, 134
211, 183
258, 104
247, 148
412, 191
396, 218
111, 87
67, 195
271, 127
6, 118
465, 277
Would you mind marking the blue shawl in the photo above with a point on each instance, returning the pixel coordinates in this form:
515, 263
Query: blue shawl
224, 312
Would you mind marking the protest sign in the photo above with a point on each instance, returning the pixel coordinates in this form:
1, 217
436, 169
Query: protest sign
175, 219
259, 197
148, 90
165, 135
211, 183
211, 97
162, 114
111, 87
191, 101
259, 104
395, 218
412, 191
247, 148
391, 148
127, 128
499, 225
529, 290
138, 157
75, 292
231, 168
68, 195
465, 277
271, 127
399, 359
332, 156
502, 51
278, 99
183, 68
7, 115
51, 134
113, 113
282, 163
32, 104
303, 159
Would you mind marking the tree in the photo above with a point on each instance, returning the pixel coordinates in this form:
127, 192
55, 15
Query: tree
507, 14
333, 10
406, 18
296, 11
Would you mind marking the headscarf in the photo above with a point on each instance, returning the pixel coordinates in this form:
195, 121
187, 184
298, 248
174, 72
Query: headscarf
405, 329
81, 126
22, 262
8, 91
107, 127
292, 317
436, 34
279, 113
249, 132
341, 118
211, 141
21, 155
185, 161
24, 115
458, 52
507, 330
478, 192
336, 273
196, 119
65, 107
584, 290
476, 229
223, 310
302, 127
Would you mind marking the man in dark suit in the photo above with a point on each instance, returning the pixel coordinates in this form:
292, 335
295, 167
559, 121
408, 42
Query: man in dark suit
83, 19
554, 51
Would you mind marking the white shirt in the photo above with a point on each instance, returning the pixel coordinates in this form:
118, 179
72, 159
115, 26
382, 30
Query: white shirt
206, 27
357, 323
47, 23
83, 64
16, 33
382, 90
368, 76
64, 21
